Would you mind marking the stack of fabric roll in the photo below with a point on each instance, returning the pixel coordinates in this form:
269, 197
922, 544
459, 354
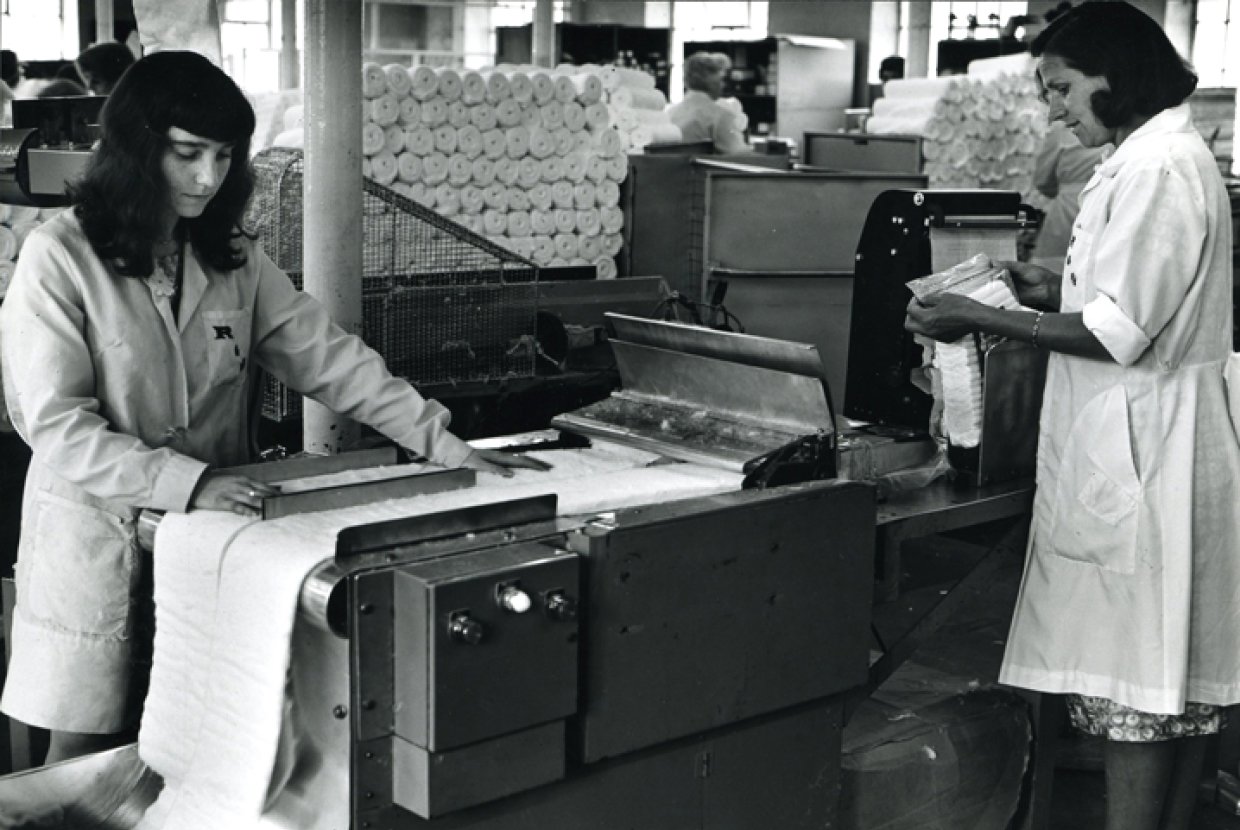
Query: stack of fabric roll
980, 130
528, 157
16, 223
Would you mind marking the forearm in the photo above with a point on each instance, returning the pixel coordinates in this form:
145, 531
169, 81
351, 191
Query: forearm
1056, 332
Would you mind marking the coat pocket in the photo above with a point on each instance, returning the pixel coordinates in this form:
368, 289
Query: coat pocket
1098, 493
228, 345
77, 570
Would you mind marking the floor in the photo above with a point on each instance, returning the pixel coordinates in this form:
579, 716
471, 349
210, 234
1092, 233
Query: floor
971, 645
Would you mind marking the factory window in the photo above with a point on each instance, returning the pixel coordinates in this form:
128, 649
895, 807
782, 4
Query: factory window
39, 30
1216, 48
958, 20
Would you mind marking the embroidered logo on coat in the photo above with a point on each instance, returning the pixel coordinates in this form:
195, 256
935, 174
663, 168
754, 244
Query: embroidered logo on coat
223, 332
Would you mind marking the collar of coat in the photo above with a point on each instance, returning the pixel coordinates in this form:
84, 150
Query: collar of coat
1178, 119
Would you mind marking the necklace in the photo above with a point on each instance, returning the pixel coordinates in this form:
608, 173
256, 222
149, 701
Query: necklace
166, 281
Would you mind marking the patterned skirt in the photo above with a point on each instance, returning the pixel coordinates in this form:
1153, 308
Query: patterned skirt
1107, 719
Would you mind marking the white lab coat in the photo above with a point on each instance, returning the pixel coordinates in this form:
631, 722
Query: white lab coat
124, 408
1132, 583
701, 118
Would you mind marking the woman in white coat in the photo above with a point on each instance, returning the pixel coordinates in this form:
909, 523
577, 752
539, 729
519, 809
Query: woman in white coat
1129, 603
129, 337
699, 115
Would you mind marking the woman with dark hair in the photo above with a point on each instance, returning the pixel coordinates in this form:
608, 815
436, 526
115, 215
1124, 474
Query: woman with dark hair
102, 65
1129, 600
129, 337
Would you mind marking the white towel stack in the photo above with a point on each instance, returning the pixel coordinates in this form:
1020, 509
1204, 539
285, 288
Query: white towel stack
979, 130
526, 156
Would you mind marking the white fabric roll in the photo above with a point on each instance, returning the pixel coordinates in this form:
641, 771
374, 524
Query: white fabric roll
508, 113
495, 196
410, 112
483, 171
544, 87
605, 268
422, 194
435, 169
552, 114
469, 141
518, 142
606, 194
447, 201
521, 86
544, 248
294, 138
449, 84
597, 116
589, 88
615, 77
394, 139
565, 221
617, 168
397, 78
609, 142
612, 219
473, 221
423, 83
498, 87
373, 139
575, 167
541, 222
612, 243
494, 144
366, 168
518, 198
458, 114
540, 196
565, 142
494, 222
460, 170
384, 110
473, 87
654, 133
420, 140
523, 246
591, 247
583, 195
932, 88
434, 112
541, 143
531, 116
445, 139
529, 172
374, 82
638, 99
561, 194
383, 167
596, 169
566, 246
483, 117
8, 243
506, 171
294, 116
518, 224
563, 88
589, 222
623, 119
574, 116
552, 169
409, 167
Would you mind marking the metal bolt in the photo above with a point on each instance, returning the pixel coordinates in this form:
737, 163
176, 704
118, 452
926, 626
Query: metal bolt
340, 712
369, 794
368, 705
369, 756
366, 608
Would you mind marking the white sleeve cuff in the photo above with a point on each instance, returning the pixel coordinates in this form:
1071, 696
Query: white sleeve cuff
1120, 336
176, 481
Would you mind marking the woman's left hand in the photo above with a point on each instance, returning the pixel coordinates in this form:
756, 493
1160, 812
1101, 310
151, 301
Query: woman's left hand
501, 463
946, 317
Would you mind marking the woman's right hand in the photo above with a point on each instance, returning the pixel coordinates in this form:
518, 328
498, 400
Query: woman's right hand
218, 490
1035, 286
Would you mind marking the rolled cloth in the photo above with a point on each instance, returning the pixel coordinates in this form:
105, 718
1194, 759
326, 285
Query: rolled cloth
583, 195
384, 110
615, 77
423, 83
597, 116
606, 268
544, 87
541, 223
374, 81
518, 142
447, 200
606, 194
434, 112
483, 116
409, 167
458, 114
410, 112
575, 167
541, 144
518, 198
566, 246
529, 172
420, 140
552, 114
531, 116
373, 139
612, 219
460, 170
639, 99
589, 222
469, 141
540, 196
495, 196
574, 116
494, 144
483, 171
445, 139
612, 243
398, 81
596, 169
473, 87
565, 221
591, 247
498, 87
544, 248
552, 170
609, 143
434, 168
471, 199
518, 224
589, 88
383, 167
508, 113
564, 88
562, 194
494, 222
521, 86
506, 171
449, 84
565, 141
617, 168
423, 195
394, 139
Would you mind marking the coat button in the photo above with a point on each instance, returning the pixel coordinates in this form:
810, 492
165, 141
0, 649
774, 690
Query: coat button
1073, 278
1068, 261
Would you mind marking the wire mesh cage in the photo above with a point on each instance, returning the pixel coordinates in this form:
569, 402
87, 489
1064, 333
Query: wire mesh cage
442, 304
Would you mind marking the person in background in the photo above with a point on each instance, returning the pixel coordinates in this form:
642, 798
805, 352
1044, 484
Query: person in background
699, 115
62, 88
1130, 602
130, 336
1060, 171
889, 69
102, 65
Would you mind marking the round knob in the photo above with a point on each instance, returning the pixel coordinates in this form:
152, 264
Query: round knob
465, 629
514, 600
561, 606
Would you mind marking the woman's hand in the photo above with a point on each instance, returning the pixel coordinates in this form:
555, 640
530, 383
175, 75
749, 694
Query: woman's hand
228, 491
501, 463
1036, 286
946, 317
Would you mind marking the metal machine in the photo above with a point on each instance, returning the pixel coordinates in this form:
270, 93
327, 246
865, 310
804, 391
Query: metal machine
48, 146
666, 665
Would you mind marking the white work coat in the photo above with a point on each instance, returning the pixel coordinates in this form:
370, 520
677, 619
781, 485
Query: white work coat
1132, 583
125, 407
701, 118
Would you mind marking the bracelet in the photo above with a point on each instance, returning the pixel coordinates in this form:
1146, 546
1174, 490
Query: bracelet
1037, 324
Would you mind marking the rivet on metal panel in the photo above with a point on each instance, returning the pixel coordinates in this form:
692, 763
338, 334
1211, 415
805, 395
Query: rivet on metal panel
894, 251
919, 199
368, 705
369, 794
366, 608
340, 712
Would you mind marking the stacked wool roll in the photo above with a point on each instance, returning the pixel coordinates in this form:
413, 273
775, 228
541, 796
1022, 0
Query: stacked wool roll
978, 131
16, 223
638, 110
526, 157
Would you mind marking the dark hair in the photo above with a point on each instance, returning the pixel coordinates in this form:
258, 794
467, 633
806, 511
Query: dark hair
1124, 45
105, 61
10, 69
122, 197
62, 88
892, 63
